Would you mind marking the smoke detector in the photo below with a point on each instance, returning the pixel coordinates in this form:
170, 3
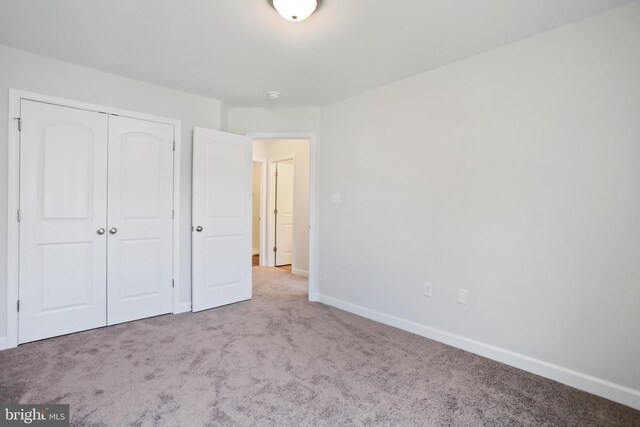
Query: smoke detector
273, 95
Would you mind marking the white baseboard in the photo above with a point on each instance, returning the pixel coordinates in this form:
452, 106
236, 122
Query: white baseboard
616, 392
4, 343
183, 307
313, 297
299, 272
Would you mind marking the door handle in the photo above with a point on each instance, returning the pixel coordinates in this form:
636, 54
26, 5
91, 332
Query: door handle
199, 228
113, 230
100, 231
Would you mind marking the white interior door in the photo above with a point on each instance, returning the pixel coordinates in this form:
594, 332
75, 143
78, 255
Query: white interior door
63, 185
139, 279
284, 213
222, 186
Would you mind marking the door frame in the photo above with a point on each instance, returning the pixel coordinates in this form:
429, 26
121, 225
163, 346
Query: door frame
13, 228
271, 221
314, 288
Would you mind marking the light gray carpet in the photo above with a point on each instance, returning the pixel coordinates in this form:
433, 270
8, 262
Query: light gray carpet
279, 360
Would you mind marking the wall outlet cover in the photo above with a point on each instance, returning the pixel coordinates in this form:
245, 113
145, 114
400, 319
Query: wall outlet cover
428, 289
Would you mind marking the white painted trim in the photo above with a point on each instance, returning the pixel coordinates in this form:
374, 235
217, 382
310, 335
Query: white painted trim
183, 307
13, 160
616, 392
4, 343
299, 272
177, 137
314, 287
13, 228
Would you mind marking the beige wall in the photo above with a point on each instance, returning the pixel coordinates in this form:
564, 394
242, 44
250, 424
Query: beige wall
514, 174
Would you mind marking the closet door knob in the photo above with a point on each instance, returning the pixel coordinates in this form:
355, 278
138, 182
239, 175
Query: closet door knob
100, 231
199, 228
113, 230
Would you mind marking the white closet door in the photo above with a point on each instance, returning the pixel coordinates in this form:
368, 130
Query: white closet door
284, 213
221, 255
63, 184
139, 278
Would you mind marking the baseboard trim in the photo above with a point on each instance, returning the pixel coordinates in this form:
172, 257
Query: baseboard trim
612, 391
4, 343
299, 272
183, 307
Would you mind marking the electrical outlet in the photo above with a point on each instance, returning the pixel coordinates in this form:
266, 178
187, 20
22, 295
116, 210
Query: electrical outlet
462, 296
428, 289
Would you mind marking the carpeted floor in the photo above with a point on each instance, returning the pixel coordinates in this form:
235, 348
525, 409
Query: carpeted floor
279, 360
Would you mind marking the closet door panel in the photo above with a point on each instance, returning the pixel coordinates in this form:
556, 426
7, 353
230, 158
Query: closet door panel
140, 219
63, 194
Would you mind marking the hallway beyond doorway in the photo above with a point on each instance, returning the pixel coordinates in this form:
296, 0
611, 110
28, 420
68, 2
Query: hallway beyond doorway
255, 262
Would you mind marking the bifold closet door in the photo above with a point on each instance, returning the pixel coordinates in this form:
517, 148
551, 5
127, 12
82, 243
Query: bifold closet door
63, 217
140, 206
221, 242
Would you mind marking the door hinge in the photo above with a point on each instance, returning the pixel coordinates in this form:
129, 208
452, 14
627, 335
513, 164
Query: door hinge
19, 119
174, 146
173, 214
275, 211
173, 283
19, 215
18, 305
275, 249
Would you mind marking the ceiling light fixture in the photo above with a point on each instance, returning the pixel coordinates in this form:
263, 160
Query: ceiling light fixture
295, 10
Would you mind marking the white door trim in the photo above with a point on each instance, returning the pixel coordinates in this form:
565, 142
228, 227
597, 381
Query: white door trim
314, 286
13, 160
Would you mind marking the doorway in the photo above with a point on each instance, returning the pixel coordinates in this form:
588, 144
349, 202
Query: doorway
281, 230
257, 212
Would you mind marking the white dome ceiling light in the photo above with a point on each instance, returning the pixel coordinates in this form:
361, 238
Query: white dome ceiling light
295, 10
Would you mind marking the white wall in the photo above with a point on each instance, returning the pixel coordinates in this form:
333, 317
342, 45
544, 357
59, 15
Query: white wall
25, 71
514, 174
269, 120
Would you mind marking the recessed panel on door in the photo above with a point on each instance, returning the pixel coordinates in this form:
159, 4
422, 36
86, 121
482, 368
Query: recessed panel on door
222, 186
63, 186
140, 219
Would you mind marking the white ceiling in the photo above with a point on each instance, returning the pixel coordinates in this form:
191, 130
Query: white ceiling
237, 50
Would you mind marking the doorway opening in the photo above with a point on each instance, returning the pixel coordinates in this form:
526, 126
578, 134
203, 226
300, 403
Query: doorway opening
256, 214
281, 204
